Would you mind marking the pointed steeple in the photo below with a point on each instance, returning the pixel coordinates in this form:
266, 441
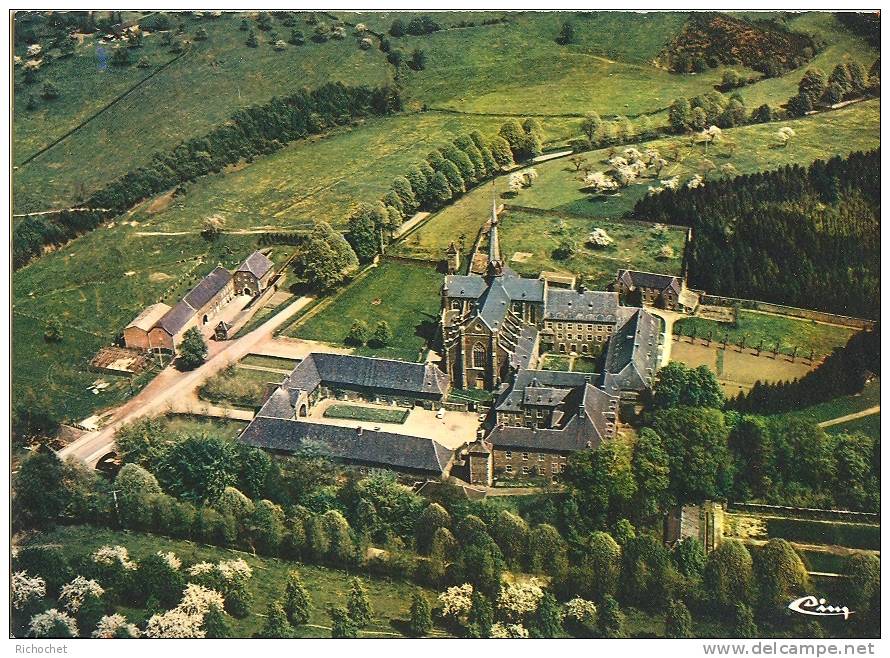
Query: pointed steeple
494, 245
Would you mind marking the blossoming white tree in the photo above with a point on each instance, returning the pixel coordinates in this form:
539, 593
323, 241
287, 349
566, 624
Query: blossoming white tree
110, 556
456, 602
599, 238
508, 631
52, 623
517, 601
695, 181
785, 133
580, 611
111, 626
72, 594
170, 558
600, 182
25, 589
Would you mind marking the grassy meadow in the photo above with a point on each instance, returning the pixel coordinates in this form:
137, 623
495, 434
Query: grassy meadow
842, 406
390, 599
213, 80
406, 295
789, 332
558, 188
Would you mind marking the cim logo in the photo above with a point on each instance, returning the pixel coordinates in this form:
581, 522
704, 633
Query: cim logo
810, 605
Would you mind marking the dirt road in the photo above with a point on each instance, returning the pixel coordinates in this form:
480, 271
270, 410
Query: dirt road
171, 384
843, 419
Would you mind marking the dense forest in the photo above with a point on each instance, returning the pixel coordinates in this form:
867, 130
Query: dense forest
807, 237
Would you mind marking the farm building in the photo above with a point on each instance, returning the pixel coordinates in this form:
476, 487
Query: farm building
160, 327
136, 334
254, 275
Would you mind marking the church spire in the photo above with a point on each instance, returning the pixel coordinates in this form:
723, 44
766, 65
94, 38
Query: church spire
494, 246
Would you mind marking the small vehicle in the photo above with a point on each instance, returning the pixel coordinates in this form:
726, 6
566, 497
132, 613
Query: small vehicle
440, 413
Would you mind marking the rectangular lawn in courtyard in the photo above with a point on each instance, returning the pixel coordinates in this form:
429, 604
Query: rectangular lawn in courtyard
355, 412
405, 295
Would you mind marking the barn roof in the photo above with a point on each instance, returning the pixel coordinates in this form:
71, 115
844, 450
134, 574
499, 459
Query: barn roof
176, 318
375, 448
149, 317
636, 279
208, 288
257, 264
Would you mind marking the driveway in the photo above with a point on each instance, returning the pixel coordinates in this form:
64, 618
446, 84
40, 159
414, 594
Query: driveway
669, 317
171, 385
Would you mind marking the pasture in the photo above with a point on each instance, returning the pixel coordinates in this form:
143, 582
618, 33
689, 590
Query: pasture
755, 326
635, 246
558, 187
93, 287
406, 295
390, 599
213, 80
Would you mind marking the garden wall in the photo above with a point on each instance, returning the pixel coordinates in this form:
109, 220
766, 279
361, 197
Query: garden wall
791, 311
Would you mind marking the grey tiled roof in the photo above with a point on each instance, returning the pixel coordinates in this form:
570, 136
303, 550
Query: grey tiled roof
494, 304
637, 279
367, 372
522, 289
257, 264
176, 318
544, 396
208, 287
511, 399
590, 306
383, 449
589, 413
521, 357
632, 353
279, 405
465, 287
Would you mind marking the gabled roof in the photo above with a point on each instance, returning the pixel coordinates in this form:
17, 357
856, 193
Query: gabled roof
512, 398
176, 318
589, 306
208, 287
495, 304
383, 449
464, 286
632, 352
522, 289
635, 279
590, 415
149, 317
367, 372
257, 264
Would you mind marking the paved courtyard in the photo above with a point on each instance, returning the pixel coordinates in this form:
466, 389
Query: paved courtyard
455, 429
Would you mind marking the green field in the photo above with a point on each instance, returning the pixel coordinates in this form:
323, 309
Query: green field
789, 332
320, 178
557, 188
94, 287
378, 415
636, 246
225, 428
568, 363
389, 599
201, 90
868, 425
842, 406
238, 387
406, 295
272, 362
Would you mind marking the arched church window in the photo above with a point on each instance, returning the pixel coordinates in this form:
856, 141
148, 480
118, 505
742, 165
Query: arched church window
478, 356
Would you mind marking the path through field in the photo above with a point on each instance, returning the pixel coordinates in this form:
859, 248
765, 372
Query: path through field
843, 419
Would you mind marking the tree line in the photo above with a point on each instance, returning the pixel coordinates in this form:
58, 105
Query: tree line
446, 174
250, 132
848, 80
805, 237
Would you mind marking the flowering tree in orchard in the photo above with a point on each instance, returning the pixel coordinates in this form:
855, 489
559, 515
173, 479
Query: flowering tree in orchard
25, 590
455, 603
73, 594
519, 601
53, 623
115, 626
508, 631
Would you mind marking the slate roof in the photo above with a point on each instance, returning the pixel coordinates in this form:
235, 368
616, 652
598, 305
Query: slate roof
257, 264
279, 405
633, 349
384, 449
522, 289
512, 398
635, 279
367, 372
175, 319
525, 348
208, 287
494, 304
149, 317
590, 306
583, 429
464, 286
